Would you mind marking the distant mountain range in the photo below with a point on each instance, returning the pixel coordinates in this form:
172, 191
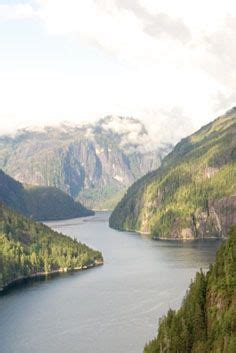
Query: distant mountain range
193, 193
93, 163
37, 202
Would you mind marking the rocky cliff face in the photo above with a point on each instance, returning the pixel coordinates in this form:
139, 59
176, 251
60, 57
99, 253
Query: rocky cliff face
193, 194
94, 163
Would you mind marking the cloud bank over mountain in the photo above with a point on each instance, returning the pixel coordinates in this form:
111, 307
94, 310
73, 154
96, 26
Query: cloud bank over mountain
160, 61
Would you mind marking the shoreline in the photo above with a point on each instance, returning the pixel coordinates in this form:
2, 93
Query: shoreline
154, 237
42, 274
186, 239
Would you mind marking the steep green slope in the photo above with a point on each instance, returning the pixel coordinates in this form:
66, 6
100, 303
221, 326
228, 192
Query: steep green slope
40, 203
206, 321
28, 248
193, 193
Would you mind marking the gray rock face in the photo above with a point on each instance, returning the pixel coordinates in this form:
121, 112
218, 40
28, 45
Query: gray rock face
93, 163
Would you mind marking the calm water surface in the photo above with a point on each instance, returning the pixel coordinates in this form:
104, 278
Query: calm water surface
109, 309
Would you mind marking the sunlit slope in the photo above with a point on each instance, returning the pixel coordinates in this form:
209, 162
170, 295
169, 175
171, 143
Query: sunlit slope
28, 248
193, 193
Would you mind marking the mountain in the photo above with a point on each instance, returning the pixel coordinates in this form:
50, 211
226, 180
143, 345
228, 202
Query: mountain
93, 163
40, 203
193, 193
28, 248
206, 321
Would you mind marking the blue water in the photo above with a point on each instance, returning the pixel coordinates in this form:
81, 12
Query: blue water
110, 309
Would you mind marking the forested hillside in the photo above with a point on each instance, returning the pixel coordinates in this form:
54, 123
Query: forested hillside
193, 193
39, 203
206, 321
28, 248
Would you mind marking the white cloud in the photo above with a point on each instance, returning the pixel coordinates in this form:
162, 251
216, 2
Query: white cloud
178, 56
16, 12
179, 41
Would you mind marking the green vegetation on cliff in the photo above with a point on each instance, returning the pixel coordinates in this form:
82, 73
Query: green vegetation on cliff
28, 247
193, 193
206, 321
39, 203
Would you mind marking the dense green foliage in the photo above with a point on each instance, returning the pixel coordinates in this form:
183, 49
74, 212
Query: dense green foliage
40, 203
193, 193
104, 198
28, 247
206, 321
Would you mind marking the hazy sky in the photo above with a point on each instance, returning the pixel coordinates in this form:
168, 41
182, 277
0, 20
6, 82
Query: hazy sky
169, 63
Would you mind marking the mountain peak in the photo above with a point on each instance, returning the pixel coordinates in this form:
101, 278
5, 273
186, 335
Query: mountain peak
231, 111
94, 162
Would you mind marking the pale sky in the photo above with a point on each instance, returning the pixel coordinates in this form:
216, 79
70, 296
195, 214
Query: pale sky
169, 63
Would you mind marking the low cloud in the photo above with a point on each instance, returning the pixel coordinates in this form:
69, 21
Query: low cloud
16, 12
157, 24
176, 62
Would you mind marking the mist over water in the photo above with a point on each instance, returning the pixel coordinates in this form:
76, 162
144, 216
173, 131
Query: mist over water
113, 308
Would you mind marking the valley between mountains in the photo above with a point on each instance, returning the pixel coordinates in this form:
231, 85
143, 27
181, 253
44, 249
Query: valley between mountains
188, 194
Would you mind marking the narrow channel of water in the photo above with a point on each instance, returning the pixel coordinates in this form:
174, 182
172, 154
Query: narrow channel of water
110, 309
